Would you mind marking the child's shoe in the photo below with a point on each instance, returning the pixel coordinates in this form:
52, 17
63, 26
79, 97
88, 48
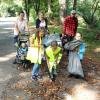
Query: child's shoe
34, 78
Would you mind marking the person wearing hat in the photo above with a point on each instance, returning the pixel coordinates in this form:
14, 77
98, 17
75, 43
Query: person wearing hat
70, 27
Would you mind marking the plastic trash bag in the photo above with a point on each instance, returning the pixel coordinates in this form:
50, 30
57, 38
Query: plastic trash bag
74, 65
72, 45
52, 37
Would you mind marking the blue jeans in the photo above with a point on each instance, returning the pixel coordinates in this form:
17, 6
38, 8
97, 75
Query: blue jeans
16, 39
35, 70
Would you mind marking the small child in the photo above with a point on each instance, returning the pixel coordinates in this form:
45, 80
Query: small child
22, 52
76, 51
53, 55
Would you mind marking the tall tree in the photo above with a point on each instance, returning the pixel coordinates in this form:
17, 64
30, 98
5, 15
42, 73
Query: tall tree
36, 5
62, 13
74, 4
49, 7
27, 8
90, 11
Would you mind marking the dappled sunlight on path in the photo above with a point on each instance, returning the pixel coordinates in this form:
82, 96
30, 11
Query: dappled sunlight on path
63, 88
7, 57
82, 92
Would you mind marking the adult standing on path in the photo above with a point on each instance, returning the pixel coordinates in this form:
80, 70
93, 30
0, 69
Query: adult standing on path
70, 26
41, 22
20, 27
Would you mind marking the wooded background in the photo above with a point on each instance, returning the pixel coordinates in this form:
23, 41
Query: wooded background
56, 10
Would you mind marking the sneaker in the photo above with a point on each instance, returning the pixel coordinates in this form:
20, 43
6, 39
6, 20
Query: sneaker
39, 77
34, 78
53, 79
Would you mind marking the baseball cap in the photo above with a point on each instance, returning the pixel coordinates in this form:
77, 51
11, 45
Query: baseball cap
73, 12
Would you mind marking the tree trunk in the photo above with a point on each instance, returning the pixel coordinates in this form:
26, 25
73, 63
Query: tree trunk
74, 4
62, 12
36, 5
49, 8
27, 9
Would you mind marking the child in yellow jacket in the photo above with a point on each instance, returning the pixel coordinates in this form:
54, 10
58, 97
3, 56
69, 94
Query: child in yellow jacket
53, 57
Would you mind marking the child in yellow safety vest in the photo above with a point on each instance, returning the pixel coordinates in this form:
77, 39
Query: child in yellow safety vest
53, 57
35, 52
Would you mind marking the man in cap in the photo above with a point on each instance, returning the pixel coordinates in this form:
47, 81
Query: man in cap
70, 27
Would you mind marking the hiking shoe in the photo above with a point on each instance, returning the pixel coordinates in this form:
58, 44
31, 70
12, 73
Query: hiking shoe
34, 78
39, 77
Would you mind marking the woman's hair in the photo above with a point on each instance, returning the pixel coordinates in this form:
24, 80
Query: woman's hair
78, 35
41, 13
38, 32
21, 12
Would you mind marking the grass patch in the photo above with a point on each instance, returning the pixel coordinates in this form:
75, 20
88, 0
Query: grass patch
56, 29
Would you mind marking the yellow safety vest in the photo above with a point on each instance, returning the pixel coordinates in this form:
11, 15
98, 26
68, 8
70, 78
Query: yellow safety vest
35, 51
34, 42
53, 54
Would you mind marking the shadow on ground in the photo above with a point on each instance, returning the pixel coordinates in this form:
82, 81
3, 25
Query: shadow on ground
21, 87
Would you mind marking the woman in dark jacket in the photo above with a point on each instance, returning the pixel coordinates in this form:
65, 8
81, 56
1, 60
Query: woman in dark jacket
41, 22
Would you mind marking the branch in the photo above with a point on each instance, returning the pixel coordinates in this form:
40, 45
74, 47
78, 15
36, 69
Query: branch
93, 5
94, 10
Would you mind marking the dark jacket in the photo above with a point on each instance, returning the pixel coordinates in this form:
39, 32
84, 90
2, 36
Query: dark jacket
38, 21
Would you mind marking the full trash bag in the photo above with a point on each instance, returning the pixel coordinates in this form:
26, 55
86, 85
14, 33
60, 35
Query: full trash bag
72, 45
74, 64
52, 37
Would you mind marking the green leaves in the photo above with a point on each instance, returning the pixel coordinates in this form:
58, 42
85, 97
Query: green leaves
89, 10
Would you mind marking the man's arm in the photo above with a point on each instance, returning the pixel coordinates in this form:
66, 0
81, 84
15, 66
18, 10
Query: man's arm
16, 28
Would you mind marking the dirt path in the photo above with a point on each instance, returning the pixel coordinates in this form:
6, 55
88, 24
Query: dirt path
7, 53
22, 87
17, 85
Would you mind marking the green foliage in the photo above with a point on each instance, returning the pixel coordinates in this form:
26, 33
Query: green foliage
3, 9
13, 9
32, 16
44, 6
9, 8
54, 29
55, 9
90, 11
